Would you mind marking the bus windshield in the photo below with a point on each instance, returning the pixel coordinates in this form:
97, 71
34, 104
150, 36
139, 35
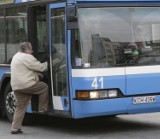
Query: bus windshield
118, 36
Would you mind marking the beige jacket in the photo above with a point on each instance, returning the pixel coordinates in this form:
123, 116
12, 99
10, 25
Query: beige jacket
24, 70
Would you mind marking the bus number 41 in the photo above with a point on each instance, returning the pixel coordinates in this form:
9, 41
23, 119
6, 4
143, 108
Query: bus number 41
97, 82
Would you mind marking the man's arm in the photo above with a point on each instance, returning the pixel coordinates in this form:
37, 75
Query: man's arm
33, 64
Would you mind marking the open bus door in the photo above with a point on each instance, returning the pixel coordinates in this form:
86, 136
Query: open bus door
58, 56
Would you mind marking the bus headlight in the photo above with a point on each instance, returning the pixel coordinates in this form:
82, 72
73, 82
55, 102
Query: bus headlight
112, 93
101, 94
94, 94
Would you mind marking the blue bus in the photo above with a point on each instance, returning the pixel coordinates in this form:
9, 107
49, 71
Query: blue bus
108, 54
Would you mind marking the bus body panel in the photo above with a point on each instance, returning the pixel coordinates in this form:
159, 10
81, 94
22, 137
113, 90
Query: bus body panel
29, 108
115, 2
3, 71
112, 0
109, 82
116, 106
94, 1
142, 80
22, 1
133, 82
136, 85
142, 84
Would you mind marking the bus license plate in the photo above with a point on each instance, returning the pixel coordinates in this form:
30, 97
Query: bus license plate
142, 100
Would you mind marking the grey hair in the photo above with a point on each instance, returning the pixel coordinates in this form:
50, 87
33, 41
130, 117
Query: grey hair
24, 46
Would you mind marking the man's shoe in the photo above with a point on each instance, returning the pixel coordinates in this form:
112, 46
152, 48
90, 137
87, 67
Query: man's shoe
19, 131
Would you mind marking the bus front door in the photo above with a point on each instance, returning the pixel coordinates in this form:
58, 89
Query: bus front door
58, 56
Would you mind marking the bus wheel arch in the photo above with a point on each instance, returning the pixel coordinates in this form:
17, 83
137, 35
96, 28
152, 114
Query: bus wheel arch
3, 86
9, 102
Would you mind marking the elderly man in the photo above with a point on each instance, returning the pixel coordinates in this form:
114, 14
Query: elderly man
24, 81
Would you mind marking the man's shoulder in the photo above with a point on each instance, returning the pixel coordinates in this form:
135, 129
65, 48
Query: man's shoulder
24, 55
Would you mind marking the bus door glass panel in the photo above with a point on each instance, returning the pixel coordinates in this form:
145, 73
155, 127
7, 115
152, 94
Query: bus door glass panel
59, 55
2, 37
16, 23
59, 51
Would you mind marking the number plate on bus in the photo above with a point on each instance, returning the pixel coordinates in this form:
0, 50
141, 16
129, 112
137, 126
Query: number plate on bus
142, 100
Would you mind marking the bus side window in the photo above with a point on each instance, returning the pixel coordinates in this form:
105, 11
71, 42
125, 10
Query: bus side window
76, 50
75, 53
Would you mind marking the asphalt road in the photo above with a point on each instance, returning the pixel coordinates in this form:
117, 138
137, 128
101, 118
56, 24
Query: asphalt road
143, 126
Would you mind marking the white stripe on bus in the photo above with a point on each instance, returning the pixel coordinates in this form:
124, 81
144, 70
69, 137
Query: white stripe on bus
115, 71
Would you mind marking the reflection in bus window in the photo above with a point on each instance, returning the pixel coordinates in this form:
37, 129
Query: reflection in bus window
119, 36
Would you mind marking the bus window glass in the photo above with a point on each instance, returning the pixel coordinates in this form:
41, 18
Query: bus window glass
119, 36
16, 30
59, 52
41, 32
76, 50
2, 37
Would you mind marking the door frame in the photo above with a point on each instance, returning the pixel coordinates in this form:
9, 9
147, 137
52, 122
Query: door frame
58, 101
